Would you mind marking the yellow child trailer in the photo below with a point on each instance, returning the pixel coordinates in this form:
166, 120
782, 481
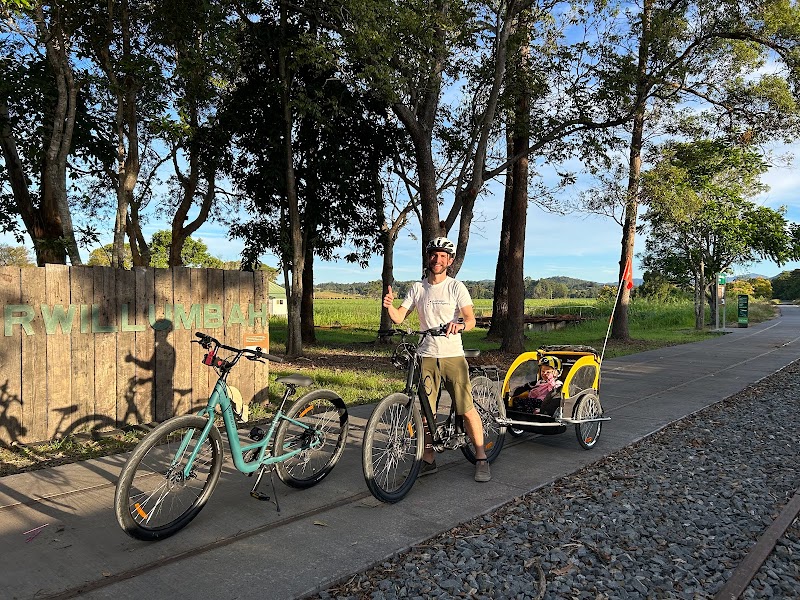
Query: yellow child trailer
575, 402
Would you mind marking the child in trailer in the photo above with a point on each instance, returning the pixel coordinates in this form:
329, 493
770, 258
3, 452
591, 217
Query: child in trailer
541, 396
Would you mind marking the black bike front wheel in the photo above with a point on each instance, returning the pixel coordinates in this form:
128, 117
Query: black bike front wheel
155, 495
393, 445
486, 399
320, 439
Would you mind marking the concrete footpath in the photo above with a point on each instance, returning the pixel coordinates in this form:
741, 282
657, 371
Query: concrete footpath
59, 537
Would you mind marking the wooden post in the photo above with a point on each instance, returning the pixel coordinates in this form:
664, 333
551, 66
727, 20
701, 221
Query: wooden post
59, 357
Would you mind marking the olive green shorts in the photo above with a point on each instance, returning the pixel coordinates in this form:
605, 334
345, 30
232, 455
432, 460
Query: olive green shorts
454, 371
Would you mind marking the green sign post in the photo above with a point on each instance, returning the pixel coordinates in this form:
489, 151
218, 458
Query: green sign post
743, 307
720, 300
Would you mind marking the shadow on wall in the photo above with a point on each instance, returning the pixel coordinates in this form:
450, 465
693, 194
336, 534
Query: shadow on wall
10, 426
161, 366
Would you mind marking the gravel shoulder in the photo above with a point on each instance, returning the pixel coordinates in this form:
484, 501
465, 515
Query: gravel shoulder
669, 517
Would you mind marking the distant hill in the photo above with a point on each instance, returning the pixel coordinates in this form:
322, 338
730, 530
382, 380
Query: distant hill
637, 281
547, 287
749, 276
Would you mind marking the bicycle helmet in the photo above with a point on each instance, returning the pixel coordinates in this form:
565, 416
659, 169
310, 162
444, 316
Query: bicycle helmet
551, 361
441, 244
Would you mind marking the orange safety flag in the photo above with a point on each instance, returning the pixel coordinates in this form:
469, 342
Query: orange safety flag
627, 274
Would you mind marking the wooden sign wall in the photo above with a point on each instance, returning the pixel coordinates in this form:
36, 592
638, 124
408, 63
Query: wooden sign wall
96, 347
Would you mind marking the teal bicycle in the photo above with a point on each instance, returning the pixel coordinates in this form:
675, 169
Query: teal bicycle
173, 471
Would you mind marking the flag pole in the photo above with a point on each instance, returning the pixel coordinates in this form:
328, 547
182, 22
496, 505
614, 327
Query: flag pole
611, 320
627, 280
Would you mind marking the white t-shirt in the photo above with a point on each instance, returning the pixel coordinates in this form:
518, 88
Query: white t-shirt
438, 304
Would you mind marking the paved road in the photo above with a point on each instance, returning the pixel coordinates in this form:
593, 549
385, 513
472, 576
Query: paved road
239, 547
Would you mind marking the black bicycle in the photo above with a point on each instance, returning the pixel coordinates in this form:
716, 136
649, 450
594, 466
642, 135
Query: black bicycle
394, 438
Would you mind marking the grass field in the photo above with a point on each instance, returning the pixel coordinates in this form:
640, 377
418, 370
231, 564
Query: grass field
343, 322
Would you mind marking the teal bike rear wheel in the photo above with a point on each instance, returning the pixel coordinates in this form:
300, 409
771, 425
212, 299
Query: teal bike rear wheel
155, 498
320, 443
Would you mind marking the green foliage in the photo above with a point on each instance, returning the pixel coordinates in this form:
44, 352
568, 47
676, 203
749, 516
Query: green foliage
340, 142
786, 286
101, 257
19, 4
762, 287
740, 286
194, 253
658, 288
345, 324
15, 256
756, 287
607, 295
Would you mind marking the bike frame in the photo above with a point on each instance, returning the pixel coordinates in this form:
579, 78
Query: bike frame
412, 391
219, 397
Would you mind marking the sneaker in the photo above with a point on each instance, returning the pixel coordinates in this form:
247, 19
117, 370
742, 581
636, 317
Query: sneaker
482, 472
428, 468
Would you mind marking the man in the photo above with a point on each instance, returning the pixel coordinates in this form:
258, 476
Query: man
441, 299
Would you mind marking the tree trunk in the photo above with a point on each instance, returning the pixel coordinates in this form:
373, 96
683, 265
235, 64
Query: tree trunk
619, 328
140, 251
50, 223
307, 332
500, 297
388, 237
387, 275
127, 125
429, 199
514, 329
42, 223
54, 171
294, 341
700, 299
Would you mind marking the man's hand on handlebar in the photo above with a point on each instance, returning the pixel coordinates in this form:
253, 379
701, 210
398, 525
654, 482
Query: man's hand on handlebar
454, 327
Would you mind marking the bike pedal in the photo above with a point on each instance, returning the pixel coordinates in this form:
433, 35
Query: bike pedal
259, 496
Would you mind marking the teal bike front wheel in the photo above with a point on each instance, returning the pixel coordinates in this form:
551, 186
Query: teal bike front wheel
155, 496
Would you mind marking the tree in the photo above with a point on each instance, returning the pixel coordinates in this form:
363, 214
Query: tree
407, 53
786, 286
762, 288
195, 252
200, 38
657, 287
113, 34
104, 257
311, 152
699, 220
38, 118
15, 256
391, 226
563, 99
740, 286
